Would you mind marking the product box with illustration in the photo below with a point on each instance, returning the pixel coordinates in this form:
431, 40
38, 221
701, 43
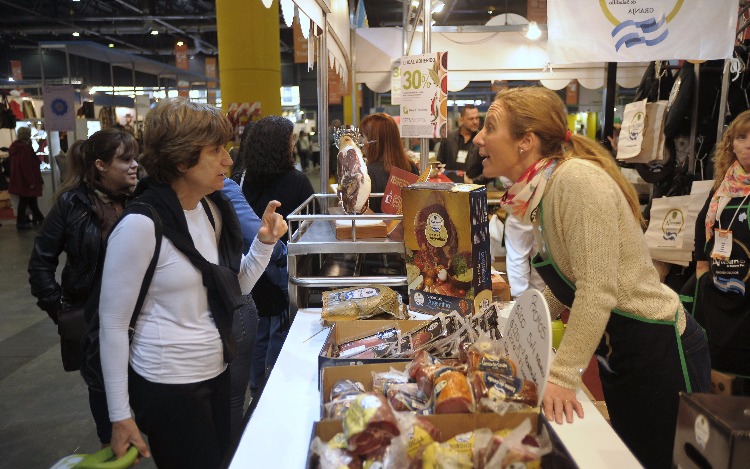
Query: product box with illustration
712, 431
447, 241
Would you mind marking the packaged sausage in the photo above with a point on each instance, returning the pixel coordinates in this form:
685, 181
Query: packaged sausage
452, 393
503, 388
354, 347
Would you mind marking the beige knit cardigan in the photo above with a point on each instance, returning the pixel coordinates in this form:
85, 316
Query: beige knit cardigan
600, 248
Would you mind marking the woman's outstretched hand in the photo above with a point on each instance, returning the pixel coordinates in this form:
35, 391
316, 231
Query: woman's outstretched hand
273, 226
559, 402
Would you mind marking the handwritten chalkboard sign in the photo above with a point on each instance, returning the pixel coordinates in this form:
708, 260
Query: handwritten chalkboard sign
528, 338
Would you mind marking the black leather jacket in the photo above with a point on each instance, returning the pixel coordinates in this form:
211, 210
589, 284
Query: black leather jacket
71, 226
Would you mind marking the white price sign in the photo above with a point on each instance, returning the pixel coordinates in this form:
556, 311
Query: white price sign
527, 338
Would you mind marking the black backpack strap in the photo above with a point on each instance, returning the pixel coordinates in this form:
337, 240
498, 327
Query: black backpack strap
151, 213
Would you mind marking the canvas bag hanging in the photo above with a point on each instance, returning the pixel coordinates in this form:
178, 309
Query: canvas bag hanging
669, 222
642, 135
663, 250
631, 134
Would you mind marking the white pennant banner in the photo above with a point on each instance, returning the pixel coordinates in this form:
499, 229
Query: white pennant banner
640, 30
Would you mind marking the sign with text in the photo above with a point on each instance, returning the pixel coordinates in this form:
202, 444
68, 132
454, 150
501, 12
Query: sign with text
396, 81
527, 338
59, 108
181, 56
424, 95
642, 30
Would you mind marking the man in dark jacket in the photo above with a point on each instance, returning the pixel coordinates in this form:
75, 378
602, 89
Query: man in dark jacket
457, 150
25, 179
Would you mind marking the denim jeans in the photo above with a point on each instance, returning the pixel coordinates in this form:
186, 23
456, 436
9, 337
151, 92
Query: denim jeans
697, 357
244, 330
270, 339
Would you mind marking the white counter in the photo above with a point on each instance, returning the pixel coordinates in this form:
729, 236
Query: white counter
278, 434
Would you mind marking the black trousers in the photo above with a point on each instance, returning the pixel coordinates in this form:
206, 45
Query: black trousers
31, 204
187, 425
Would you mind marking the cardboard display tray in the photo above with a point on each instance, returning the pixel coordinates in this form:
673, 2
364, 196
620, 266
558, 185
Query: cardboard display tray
345, 331
359, 373
449, 425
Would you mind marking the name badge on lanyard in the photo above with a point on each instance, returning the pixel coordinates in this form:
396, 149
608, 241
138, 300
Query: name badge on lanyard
461, 156
722, 244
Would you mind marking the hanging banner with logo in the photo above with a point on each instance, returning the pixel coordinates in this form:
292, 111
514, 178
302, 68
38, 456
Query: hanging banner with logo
640, 30
424, 95
181, 56
210, 67
15, 70
59, 108
301, 43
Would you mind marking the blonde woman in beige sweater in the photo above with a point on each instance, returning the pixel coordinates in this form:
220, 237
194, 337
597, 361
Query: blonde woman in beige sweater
594, 259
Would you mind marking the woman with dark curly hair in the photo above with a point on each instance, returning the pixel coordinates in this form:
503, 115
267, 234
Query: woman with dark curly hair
722, 303
268, 155
381, 144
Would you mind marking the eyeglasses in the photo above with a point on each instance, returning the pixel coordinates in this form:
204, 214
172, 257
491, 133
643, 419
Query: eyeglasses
363, 141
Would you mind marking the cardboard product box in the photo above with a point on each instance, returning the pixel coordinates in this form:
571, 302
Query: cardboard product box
722, 383
712, 431
449, 425
345, 331
360, 373
447, 241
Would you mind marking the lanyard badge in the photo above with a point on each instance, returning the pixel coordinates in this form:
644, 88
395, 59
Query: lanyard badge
722, 244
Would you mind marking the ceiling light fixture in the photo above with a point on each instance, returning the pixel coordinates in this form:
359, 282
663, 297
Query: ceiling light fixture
437, 7
111, 45
180, 43
534, 32
154, 32
76, 34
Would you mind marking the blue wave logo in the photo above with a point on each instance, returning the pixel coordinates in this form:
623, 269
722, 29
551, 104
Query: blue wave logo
729, 285
670, 236
632, 33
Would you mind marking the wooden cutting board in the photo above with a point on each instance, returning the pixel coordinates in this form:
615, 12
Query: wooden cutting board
365, 228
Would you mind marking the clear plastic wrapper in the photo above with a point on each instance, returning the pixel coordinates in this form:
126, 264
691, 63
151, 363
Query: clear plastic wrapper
361, 303
332, 457
388, 336
517, 448
380, 381
407, 397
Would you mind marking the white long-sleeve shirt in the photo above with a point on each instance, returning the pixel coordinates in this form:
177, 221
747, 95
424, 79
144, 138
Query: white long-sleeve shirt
520, 248
176, 340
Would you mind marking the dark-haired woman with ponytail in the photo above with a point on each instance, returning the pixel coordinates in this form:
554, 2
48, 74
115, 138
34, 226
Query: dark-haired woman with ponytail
101, 176
595, 261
